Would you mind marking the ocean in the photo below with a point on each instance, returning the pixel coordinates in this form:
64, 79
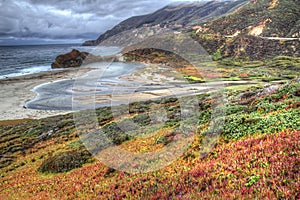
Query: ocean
22, 60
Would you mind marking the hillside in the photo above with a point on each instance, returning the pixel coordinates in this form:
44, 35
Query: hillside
262, 29
266, 18
243, 136
257, 155
174, 17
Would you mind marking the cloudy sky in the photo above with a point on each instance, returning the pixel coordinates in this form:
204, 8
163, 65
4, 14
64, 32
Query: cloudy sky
52, 21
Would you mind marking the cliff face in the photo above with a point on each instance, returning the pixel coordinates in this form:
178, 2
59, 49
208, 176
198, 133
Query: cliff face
174, 17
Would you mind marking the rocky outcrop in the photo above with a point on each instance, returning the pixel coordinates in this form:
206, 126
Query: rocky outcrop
72, 59
76, 58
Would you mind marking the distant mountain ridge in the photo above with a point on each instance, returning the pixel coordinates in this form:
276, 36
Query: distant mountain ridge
174, 17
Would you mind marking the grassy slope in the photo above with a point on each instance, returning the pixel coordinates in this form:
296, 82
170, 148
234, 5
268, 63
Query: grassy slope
277, 18
257, 155
284, 19
248, 161
277, 68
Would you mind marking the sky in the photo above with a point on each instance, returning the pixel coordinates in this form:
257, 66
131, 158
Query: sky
66, 21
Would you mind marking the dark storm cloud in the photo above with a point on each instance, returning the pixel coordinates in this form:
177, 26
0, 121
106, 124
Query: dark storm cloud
60, 18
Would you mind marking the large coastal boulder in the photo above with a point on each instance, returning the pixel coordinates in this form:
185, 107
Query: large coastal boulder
76, 58
72, 59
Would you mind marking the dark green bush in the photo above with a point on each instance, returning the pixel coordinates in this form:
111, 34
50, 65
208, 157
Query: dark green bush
65, 161
115, 133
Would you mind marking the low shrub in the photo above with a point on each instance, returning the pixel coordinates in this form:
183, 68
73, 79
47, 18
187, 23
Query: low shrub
65, 161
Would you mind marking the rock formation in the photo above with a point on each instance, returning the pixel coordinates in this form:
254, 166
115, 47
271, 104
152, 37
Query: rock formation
72, 59
76, 58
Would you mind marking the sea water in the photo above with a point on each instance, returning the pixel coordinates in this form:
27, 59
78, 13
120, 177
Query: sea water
22, 60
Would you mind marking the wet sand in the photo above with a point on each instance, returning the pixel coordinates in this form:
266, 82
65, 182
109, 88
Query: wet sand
16, 91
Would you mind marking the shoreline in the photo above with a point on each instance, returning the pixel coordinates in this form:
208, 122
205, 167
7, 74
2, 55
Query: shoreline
15, 92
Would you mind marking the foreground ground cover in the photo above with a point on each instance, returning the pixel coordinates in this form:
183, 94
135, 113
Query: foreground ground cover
257, 155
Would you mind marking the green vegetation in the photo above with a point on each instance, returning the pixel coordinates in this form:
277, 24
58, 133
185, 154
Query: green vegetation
260, 111
193, 79
245, 33
217, 55
283, 15
252, 180
285, 62
257, 155
65, 161
276, 69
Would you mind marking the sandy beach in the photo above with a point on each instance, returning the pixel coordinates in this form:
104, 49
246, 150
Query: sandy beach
16, 91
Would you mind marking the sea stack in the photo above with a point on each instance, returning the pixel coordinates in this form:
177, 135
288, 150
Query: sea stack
70, 60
